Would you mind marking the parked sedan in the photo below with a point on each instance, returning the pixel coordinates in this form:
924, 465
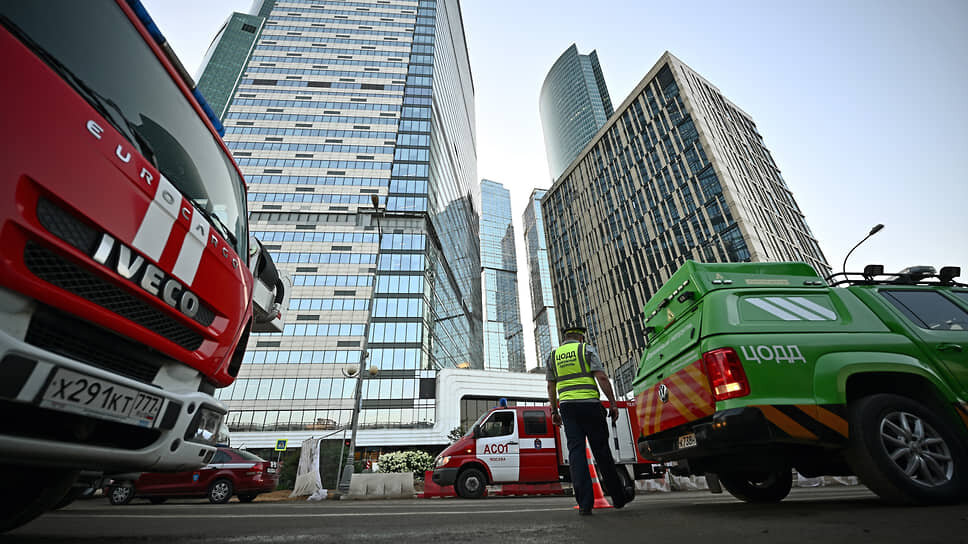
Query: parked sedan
231, 472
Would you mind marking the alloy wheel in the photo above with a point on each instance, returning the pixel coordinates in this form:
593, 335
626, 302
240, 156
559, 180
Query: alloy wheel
220, 491
917, 449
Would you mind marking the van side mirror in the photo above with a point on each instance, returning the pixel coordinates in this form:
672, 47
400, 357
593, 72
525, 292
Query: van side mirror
476, 431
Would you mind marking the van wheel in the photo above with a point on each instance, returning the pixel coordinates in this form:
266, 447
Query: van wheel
29, 492
769, 486
470, 484
905, 452
220, 491
120, 494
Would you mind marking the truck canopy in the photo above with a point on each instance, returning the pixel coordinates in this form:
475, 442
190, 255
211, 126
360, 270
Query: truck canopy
694, 280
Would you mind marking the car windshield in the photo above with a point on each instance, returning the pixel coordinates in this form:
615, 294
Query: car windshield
97, 50
249, 456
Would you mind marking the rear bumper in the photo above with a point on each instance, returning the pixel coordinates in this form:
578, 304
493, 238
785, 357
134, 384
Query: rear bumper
445, 476
45, 437
256, 487
725, 432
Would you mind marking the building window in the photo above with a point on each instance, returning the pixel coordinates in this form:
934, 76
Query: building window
248, 28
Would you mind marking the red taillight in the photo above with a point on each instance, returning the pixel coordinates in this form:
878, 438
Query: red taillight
726, 375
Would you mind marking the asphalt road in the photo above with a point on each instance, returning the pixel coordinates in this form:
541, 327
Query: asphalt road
826, 515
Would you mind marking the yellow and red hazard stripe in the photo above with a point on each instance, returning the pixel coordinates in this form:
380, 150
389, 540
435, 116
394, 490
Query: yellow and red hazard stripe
678, 399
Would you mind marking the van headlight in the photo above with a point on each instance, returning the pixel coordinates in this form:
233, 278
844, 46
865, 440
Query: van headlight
441, 461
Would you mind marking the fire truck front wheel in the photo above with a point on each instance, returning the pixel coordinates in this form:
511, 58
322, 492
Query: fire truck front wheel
31, 492
471, 484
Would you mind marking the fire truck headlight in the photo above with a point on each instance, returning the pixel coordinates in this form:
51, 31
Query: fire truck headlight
442, 461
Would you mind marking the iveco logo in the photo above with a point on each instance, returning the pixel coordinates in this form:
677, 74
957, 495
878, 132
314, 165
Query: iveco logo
131, 266
663, 393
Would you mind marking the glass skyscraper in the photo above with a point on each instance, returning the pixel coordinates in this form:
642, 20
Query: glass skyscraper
679, 172
222, 65
503, 340
546, 337
574, 104
335, 103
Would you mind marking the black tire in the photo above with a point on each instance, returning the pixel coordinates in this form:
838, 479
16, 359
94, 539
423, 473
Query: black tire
158, 500
471, 484
220, 491
33, 491
628, 484
884, 425
247, 497
768, 486
120, 495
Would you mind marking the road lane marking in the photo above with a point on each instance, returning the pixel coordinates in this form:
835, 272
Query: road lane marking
353, 514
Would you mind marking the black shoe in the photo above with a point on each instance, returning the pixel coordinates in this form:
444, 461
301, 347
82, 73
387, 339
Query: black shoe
584, 512
619, 505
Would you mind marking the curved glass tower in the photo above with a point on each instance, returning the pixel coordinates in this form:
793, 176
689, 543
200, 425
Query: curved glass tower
574, 104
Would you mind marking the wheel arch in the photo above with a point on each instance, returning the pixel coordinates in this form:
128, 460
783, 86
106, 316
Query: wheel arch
479, 466
833, 371
915, 386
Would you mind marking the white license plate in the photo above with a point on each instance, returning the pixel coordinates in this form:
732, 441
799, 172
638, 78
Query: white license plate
687, 441
71, 391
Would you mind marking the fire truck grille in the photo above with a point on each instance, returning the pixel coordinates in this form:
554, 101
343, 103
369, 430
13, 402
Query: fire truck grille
85, 238
66, 227
62, 273
72, 337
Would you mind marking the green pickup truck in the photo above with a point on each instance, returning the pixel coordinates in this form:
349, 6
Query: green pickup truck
756, 368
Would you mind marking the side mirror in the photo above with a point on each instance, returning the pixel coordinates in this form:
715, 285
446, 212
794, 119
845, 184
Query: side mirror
476, 431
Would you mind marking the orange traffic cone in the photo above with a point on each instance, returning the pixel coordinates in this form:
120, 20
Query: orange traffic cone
600, 501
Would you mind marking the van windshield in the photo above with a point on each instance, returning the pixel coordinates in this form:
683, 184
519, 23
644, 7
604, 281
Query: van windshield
97, 50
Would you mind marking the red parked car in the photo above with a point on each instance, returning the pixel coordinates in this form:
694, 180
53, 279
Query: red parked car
231, 472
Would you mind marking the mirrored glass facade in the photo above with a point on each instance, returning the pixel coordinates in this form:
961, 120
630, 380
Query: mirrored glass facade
678, 173
574, 104
336, 103
226, 56
503, 334
546, 336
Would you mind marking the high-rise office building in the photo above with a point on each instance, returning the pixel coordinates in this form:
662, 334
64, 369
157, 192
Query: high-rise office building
335, 103
574, 104
679, 172
503, 340
226, 56
546, 337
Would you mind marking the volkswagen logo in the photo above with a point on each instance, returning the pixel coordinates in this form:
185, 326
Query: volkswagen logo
663, 393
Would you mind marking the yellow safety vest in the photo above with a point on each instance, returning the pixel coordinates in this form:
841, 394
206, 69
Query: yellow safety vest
574, 379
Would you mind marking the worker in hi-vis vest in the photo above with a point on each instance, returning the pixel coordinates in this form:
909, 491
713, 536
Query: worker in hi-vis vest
575, 374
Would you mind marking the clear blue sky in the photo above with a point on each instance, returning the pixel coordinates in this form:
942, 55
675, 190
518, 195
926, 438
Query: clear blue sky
862, 103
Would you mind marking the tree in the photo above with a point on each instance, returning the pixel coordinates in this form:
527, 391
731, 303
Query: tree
455, 434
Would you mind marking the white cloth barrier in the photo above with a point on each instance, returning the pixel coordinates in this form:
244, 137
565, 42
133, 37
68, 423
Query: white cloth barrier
308, 480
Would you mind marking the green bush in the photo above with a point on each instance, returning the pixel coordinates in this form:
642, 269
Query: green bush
406, 461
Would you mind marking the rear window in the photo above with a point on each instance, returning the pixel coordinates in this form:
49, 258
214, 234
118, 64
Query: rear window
929, 309
248, 456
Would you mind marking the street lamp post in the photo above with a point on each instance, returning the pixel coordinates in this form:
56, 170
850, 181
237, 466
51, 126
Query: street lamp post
347, 475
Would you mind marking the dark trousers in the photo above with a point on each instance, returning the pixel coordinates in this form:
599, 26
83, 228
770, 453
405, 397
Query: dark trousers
587, 420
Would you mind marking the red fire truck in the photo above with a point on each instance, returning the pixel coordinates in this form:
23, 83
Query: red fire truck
520, 445
126, 295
